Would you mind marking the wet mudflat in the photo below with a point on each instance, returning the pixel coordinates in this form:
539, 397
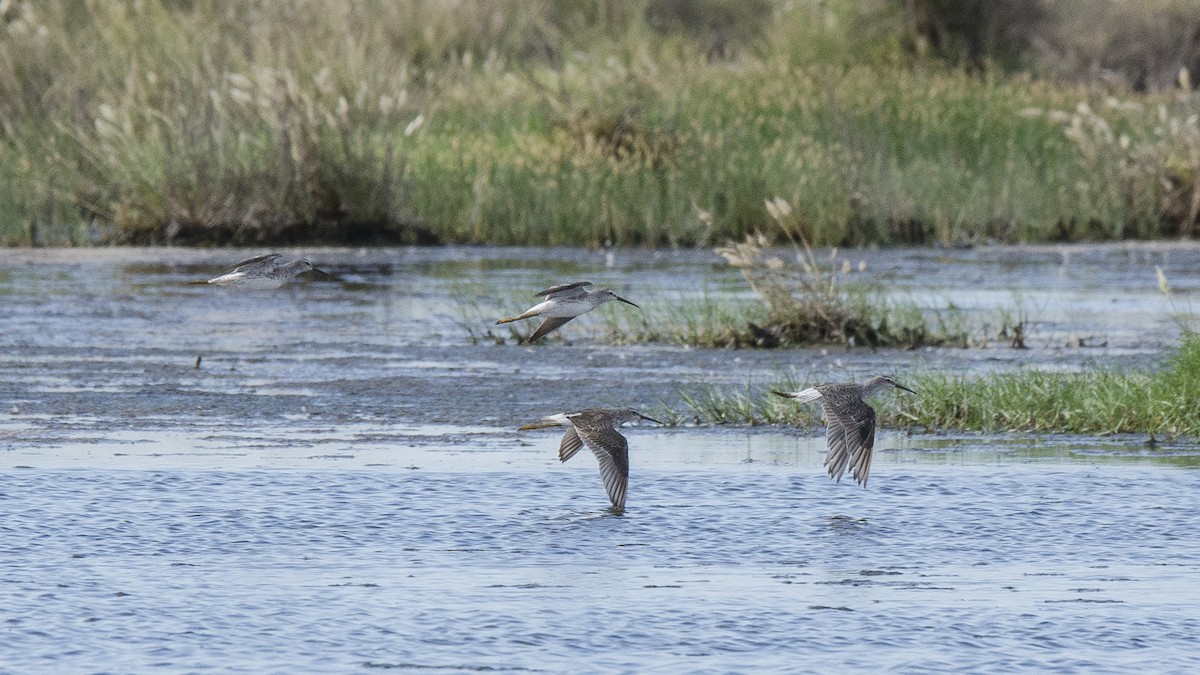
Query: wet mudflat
338, 485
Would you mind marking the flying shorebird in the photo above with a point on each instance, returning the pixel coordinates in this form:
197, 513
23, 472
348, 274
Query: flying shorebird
850, 423
264, 272
597, 428
563, 303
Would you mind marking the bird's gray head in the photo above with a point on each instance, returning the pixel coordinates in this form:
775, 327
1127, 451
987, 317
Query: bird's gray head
300, 266
607, 294
881, 382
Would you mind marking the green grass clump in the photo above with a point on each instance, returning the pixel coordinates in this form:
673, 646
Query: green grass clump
744, 405
1095, 401
694, 322
810, 302
1098, 401
712, 321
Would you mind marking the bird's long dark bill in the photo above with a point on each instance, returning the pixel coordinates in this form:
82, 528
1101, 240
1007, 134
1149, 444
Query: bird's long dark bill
900, 386
538, 425
323, 273
649, 419
626, 301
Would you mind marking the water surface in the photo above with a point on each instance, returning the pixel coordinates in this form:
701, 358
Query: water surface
337, 485
995, 568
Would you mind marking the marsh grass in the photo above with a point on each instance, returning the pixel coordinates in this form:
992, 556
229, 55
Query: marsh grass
810, 300
704, 321
742, 405
549, 122
720, 321
1100, 401
814, 301
1094, 401
477, 315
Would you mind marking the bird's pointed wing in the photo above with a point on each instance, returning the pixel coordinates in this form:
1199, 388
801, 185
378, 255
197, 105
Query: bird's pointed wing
547, 326
835, 438
860, 461
565, 290
251, 262
570, 445
612, 451
851, 437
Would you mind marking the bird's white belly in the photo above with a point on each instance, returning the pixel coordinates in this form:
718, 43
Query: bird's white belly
564, 308
245, 281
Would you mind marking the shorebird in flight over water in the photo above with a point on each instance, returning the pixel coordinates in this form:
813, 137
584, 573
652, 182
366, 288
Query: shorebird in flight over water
850, 423
263, 272
563, 303
597, 429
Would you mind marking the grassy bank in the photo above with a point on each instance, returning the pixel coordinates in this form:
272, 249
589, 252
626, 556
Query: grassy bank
1098, 401
636, 122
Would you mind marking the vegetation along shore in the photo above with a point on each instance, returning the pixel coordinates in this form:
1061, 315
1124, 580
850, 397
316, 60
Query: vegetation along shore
586, 122
1097, 400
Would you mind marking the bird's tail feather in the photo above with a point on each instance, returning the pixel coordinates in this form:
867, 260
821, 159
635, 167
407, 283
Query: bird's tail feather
803, 396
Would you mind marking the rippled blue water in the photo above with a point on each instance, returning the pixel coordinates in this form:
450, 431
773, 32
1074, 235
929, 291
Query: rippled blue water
327, 478
952, 568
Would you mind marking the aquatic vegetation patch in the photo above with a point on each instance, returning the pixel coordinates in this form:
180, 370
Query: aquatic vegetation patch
1102, 401
747, 405
704, 321
747, 323
722, 321
477, 315
807, 301
1092, 401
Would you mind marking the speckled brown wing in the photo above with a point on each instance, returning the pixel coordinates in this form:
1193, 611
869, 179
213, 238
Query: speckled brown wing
570, 445
612, 451
850, 434
860, 463
838, 454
